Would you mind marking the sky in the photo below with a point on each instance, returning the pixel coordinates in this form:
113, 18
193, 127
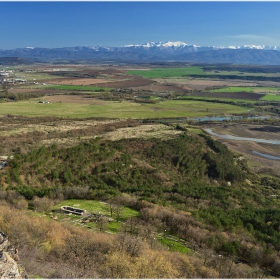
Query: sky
68, 24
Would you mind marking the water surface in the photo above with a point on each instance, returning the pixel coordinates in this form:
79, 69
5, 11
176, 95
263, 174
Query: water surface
231, 137
229, 118
266, 155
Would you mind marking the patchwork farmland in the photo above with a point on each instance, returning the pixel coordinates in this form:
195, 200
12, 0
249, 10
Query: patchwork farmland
130, 144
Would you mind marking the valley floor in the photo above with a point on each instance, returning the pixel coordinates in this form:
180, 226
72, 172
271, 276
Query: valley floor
258, 163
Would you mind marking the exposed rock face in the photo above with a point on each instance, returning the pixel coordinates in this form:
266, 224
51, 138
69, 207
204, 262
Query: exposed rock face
8, 257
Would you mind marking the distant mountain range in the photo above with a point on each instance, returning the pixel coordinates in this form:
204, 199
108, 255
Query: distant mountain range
154, 52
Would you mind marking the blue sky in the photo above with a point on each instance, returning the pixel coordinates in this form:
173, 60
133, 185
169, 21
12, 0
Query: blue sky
61, 24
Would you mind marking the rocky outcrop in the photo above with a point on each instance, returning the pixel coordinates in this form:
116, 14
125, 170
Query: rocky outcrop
9, 268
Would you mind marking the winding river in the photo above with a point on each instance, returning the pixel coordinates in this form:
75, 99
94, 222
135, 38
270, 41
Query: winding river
230, 118
231, 137
258, 140
266, 155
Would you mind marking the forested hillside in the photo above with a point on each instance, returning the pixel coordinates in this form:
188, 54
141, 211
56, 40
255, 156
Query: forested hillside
190, 187
152, 169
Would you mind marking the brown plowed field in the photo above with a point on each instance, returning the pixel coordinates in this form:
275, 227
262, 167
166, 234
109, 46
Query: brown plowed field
78, 82
161, 87
232, 95
43, 91
121, 82
109, 71
128, 83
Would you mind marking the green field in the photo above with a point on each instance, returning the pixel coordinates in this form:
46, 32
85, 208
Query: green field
94, 206
271, 97
81, 88
173, 245
247, 89
97, 206
167, 72
148, 97
125, 109
240, 73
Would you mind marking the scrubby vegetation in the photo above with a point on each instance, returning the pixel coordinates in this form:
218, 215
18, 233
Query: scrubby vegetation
54, 250
189, 188
6, 96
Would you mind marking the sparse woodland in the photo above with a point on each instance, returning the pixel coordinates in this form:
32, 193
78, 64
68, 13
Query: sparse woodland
54, 250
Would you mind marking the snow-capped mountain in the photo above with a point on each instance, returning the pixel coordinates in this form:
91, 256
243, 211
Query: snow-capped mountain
256, 47
155, 51
179, 44
160, 44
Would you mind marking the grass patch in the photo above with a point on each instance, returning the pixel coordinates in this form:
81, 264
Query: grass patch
149, 97
36, 277
114, 227
271, 97
247, 89
93, 206
173, 245
233, 89
193, 130
96, 206
167, 72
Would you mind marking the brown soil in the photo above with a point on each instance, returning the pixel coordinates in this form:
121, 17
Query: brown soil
122, 82
129, 83
162, 87
102, 71
22, 90
78, 82
43, 91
